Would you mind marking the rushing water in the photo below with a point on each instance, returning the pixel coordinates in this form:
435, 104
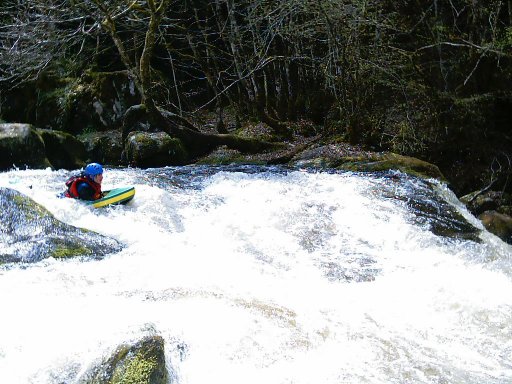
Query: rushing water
263, 276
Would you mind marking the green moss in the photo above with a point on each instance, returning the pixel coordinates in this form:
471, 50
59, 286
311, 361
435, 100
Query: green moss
60, 98
155, 149
378, 167
138, 370
19, 200
59, 95
63, 251
142, 363
30, 208
386, 161
145, 140
88, 129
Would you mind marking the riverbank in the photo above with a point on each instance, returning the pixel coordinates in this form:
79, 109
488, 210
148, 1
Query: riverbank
23, 145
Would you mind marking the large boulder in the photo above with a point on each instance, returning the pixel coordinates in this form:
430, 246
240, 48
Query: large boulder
101, 100
103, 147
21, 146
95, 101
63, 150
346, 157
30, 233
139, 363
154, 149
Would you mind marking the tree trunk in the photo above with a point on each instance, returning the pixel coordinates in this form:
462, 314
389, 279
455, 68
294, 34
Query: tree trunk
145, 58
174, 125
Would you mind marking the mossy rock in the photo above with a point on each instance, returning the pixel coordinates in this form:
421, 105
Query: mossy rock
226, 156
344, 157
63, 150
388, 160
30, 233
95, 100
139, 363
103, 147
56, 97
101, 100
21, 146
154, 149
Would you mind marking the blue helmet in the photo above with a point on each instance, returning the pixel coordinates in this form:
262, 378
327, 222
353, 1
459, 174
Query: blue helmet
93, 169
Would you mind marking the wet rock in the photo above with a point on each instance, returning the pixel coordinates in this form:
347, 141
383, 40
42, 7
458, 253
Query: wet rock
63, 150
430, 209
139, 363
103, 147
352, 159
30, 233
498, 224
148, 149
21, 146
356, 268
478, 202
494, 209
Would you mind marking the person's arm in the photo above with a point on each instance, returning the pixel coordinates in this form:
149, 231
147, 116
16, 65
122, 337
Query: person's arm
85, 191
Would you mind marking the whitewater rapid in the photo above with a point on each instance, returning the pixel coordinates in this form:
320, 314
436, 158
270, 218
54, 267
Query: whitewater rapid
262, 276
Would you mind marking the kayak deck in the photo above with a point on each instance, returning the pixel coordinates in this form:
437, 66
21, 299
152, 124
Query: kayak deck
113, 197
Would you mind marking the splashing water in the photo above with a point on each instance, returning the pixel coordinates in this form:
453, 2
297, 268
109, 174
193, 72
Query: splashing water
263, 275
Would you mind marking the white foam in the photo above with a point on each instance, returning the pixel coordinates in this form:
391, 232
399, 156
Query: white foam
236, 272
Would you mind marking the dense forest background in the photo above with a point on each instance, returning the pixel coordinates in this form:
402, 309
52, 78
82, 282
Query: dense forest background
431, 79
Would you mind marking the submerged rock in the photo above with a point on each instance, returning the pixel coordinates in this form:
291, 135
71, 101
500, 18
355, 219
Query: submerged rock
139, 363
430, 209
355, 268
30, 233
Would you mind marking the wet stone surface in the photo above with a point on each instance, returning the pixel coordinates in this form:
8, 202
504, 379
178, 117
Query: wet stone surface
429, 209
30, 233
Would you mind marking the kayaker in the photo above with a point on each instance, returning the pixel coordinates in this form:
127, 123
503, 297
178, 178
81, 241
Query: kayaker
87, 185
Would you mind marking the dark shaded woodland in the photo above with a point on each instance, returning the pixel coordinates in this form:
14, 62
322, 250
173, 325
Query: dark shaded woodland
431, 79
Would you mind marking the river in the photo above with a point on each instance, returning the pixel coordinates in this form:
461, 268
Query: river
263, 275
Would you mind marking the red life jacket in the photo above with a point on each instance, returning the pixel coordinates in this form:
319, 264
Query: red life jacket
72, 184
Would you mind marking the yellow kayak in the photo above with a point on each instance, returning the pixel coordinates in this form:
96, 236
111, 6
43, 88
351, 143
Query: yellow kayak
114, 196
